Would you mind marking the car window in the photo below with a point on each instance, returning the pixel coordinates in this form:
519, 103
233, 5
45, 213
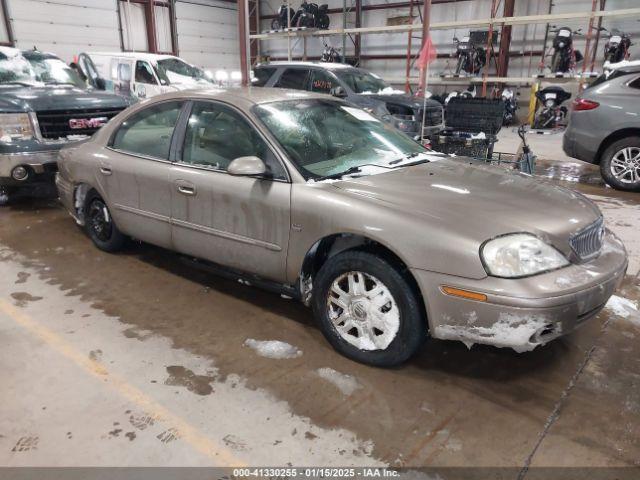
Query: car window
295, 78
149, 132
261, 76
216, 135
321, 81
635, 83
144, 73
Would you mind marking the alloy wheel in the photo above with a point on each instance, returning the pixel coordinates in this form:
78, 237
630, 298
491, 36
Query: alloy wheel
625, 165
363, 311
100, 221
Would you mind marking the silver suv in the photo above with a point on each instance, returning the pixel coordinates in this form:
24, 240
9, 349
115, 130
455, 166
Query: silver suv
604, 127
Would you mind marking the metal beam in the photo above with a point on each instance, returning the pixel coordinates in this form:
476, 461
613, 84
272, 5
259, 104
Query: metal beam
505, 40
243, 37
521, 20
5, 14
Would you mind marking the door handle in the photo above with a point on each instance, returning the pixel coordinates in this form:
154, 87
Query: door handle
105, 170
183, 189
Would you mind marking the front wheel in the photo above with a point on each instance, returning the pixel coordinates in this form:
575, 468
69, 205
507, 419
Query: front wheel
100, 226
367, 309
620, 164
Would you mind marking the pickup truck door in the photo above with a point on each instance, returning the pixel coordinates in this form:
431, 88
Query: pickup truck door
235, 221
134, 173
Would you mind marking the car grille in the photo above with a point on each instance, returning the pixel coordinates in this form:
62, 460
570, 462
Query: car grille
54, 124
588, 242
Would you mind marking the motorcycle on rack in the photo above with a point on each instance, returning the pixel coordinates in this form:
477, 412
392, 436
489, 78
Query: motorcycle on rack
564, 58
330, 54
617, 47
510, 99
552, 113
284, 18
471, 57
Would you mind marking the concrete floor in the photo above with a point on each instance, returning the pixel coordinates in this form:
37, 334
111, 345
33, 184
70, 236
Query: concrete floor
138, 359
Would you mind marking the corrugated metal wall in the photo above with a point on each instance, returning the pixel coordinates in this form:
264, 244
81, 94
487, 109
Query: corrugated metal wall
65, 27
208, 33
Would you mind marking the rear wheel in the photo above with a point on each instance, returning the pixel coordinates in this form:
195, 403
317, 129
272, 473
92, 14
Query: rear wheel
100, 226
620, 164
367, 309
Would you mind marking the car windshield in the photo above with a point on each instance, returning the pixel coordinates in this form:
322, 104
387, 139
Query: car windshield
174, 70
16, 70
50, 70
329, 138
360, 81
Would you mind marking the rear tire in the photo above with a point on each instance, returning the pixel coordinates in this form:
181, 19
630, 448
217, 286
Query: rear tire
620, 164
101, 227
380, 322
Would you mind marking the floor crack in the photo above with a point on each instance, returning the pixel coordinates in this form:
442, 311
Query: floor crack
559, 404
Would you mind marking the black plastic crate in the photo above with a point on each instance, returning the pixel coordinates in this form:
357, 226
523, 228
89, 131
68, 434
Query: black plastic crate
462, 144
475, 115
481, 37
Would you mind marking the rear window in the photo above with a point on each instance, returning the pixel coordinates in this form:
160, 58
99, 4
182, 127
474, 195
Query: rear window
605, 77
295, 78
261, 76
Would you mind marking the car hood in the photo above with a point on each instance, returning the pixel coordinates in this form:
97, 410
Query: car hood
479, 201
401, 99
25, 99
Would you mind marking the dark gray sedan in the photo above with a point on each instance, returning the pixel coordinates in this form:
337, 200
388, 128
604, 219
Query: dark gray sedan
604, 127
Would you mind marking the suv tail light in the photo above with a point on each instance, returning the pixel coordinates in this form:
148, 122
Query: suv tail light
581, 104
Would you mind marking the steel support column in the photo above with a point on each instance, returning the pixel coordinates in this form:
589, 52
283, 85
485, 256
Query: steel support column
243, 36
505, 40
426, 27
7, 22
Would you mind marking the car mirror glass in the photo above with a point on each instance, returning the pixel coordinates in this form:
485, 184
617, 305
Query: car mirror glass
247, 167
339, 92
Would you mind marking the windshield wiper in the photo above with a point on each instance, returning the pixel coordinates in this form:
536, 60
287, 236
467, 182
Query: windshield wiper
17, 82
351, 170
55, 82
405, 157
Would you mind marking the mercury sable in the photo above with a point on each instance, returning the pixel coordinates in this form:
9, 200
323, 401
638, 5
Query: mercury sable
387, 241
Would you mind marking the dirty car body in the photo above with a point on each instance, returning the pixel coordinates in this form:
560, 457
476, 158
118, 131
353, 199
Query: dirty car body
385, 239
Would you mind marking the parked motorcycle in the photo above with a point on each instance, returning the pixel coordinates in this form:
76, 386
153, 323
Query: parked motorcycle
617, 47
309, 15
284, 18
565, 58
330, 54
551, 113
471, 57
510, 99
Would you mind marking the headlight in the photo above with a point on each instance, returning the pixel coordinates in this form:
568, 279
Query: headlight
520, 255
15, 126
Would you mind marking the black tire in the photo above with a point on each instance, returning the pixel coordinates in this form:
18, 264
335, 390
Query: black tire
461, 64
606, 164
412, 329
555, 63
275, 24
100, 226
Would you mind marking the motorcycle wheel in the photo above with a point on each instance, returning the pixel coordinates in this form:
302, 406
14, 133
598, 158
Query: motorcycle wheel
275, 24
460, 65
555, 63
323, 22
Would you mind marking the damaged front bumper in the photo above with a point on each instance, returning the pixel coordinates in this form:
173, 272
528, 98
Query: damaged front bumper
527, 312
40, 167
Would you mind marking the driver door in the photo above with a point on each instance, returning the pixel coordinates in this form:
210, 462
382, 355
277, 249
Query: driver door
235, 221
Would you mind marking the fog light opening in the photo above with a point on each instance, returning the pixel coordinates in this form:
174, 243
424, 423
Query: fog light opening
20, 173
545, 333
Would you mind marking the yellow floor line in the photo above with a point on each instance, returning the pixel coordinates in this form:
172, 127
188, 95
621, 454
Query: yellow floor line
188, 433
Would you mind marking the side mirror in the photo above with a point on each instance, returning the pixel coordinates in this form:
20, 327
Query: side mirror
339, 92
247, 167
100, 84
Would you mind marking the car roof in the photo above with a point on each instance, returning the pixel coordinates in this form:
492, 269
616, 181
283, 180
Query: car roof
244, 96
326, 65
138, 55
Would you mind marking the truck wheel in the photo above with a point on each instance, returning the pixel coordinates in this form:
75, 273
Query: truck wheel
100, 226
620, 164
367, 309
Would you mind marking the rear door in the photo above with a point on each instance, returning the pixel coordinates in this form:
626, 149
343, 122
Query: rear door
135, 172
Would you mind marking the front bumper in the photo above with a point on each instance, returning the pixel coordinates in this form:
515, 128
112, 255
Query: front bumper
523, 313
41, 166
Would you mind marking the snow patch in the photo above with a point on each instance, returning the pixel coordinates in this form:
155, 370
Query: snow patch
273, 349
511, 330
623, 307
343, 382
